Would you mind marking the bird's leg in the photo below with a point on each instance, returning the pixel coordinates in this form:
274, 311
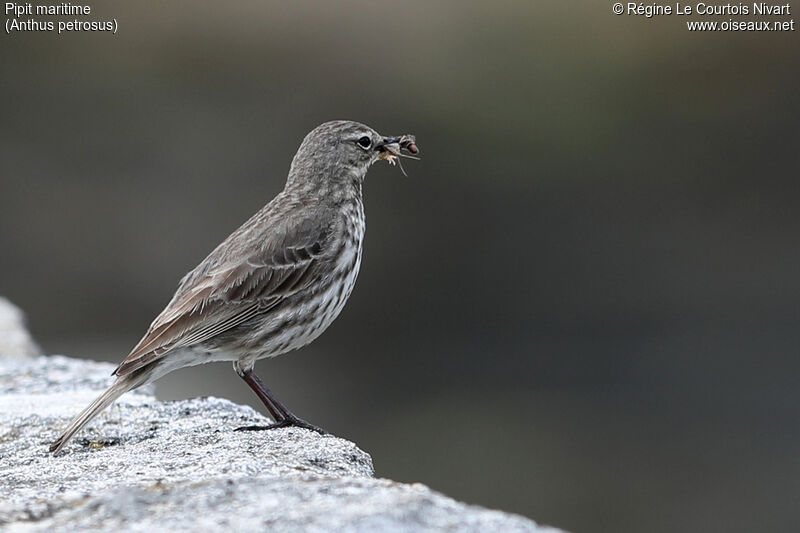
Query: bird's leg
283, 417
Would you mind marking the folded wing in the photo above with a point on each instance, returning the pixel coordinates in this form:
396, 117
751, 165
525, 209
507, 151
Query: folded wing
229, 288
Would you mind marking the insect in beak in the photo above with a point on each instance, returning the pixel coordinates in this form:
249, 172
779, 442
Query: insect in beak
391, 150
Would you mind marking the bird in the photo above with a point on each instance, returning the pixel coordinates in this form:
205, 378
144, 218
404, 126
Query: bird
276, 283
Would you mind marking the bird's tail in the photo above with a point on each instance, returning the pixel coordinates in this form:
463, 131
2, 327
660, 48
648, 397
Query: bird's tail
120, 387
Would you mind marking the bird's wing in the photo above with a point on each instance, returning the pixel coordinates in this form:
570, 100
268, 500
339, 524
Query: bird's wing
225, 291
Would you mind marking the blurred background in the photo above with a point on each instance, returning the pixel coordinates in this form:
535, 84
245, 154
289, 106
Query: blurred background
580, 306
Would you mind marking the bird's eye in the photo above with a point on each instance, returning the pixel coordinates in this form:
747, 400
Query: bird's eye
365, 142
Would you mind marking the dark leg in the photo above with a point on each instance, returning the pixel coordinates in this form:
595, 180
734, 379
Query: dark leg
283, 417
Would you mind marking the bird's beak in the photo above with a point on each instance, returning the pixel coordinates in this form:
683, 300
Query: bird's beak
386, 145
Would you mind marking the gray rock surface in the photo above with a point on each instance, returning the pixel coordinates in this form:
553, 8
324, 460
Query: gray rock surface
145, 465
15, 341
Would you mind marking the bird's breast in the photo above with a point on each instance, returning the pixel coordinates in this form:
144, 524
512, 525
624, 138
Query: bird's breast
309, 313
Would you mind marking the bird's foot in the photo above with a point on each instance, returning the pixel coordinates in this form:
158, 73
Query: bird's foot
291, 421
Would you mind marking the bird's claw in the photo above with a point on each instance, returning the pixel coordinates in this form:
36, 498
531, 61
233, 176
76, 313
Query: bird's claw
285, 423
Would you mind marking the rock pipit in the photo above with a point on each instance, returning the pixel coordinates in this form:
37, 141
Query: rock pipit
276, 283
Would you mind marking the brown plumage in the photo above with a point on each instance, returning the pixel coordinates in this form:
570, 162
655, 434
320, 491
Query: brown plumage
274, 284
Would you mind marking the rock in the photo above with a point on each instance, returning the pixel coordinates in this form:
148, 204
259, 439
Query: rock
15, 341
146, 465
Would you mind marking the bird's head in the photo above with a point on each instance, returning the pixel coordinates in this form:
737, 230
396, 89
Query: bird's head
343, 151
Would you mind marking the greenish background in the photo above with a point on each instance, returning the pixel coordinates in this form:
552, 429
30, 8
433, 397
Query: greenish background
581, 305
